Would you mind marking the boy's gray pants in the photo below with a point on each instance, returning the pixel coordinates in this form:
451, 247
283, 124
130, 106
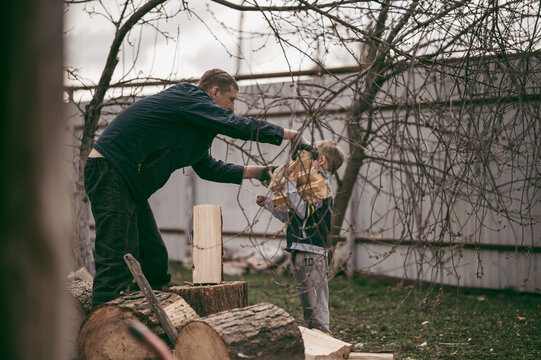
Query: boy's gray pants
310, 274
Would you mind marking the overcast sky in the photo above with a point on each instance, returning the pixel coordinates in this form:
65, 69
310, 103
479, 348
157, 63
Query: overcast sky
199, 46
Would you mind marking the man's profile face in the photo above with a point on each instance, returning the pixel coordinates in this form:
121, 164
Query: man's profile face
225, 99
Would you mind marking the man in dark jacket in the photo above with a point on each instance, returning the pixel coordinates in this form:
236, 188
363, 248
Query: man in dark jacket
137, 153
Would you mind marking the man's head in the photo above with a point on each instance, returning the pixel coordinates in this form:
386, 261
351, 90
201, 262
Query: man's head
330, 156
221, 87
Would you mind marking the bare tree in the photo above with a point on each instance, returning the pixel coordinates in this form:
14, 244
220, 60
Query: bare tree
443, 119
130, 16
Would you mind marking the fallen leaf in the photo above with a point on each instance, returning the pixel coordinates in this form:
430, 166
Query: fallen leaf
500, 322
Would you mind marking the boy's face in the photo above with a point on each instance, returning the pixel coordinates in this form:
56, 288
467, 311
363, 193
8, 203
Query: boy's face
321, 163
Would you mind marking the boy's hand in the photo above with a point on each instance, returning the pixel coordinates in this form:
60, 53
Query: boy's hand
261, 200
293, 177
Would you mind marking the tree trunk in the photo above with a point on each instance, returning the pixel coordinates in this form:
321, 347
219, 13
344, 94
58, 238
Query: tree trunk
82, 244
261, 331
210, 299
33, 207
104, 334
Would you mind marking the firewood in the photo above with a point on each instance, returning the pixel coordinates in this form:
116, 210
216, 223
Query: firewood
210, 299
263, 331
370, 356
311, 184
321, 346
207, 244
105, 335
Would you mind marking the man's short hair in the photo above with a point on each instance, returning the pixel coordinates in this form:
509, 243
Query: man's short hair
217, 77
332, 152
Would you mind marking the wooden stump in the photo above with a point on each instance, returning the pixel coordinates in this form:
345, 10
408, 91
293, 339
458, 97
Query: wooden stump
210, 299
262, 331
104, 334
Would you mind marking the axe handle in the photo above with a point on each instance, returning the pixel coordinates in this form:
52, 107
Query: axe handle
142, 281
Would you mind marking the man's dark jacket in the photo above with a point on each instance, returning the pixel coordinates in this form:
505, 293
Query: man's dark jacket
159, 134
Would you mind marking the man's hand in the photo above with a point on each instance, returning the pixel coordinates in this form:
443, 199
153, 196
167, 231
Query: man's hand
261, 200
295, 137
261, 173
309, 148
266, 174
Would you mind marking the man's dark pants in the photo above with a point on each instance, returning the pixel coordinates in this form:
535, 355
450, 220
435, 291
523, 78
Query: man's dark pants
123, 225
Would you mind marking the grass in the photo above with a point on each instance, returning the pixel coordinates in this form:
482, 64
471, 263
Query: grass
414, 321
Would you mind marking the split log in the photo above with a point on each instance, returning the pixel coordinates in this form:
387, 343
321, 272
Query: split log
310, 182
105, 335
210, 299
207, 244
370, 356
262, 331
320, 346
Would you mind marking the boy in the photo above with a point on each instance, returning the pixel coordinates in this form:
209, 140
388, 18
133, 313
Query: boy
308, 226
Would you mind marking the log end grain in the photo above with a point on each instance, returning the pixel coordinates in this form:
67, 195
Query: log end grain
105, 335
200, 341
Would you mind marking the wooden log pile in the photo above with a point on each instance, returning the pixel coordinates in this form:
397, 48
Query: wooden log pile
211, 318
310, 182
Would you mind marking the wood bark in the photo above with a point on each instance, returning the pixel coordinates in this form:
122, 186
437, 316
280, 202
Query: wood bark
104, 334
78, 307
263, 331
141, 280
210, 299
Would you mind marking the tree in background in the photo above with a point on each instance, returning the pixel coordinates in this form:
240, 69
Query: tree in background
443, 116
126, 19
440, 118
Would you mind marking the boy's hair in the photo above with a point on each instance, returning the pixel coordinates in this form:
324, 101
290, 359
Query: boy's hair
217, 77
332, 152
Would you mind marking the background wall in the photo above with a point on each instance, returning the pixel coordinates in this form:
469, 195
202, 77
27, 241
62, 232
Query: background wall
497, 256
